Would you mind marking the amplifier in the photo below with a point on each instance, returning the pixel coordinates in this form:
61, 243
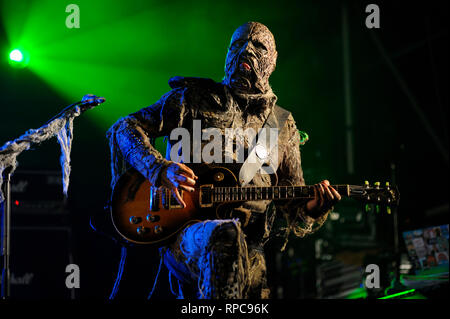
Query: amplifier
39, 256
37, 192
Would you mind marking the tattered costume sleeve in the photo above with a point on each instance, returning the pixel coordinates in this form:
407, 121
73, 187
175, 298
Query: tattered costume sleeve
131, 137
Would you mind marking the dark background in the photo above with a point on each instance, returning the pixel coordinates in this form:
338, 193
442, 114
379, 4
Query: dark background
388, 130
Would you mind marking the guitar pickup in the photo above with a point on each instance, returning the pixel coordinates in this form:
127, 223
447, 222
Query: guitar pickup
165, 198
206, 195
169, 200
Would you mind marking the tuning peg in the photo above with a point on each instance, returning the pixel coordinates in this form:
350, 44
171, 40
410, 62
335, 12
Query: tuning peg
388, 186
366, 183
377, 184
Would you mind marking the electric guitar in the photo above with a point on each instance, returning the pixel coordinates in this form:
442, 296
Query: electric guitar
144, 214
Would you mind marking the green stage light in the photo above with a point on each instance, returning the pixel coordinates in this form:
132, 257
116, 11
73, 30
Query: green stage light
73, 63
18, 58
16, 55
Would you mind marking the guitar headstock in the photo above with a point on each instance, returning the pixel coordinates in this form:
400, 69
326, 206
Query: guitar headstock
386, 195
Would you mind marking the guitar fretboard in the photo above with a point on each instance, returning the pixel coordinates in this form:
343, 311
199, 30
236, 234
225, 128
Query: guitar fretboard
252, 193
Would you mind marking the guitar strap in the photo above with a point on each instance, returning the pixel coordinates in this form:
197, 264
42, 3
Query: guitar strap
266, 149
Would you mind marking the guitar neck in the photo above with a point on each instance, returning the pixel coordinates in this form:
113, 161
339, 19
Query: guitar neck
253, 193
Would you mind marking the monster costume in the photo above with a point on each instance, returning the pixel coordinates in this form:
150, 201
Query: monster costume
221, 258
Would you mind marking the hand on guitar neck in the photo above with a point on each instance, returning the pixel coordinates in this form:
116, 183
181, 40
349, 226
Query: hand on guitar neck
325, 197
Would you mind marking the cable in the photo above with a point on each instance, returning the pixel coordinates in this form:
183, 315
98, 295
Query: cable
119, 273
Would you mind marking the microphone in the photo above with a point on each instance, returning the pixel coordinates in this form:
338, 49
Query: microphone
89, 101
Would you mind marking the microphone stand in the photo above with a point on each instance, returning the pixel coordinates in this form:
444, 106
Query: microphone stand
89, 101
396, 227
5, 243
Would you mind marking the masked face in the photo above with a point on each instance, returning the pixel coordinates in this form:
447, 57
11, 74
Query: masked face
251, 59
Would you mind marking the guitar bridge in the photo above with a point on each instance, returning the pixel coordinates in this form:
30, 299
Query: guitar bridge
206, 195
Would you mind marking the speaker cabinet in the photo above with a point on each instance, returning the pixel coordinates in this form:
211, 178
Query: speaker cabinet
38, 260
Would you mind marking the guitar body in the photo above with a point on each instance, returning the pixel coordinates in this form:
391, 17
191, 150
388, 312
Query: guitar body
144, 215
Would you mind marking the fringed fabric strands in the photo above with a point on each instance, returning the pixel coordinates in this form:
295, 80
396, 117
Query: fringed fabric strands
65, 137
61, 127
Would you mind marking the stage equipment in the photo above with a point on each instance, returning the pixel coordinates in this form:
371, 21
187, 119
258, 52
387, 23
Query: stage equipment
60, 126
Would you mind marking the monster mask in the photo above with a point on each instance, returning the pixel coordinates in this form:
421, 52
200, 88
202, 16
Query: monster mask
251, 59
